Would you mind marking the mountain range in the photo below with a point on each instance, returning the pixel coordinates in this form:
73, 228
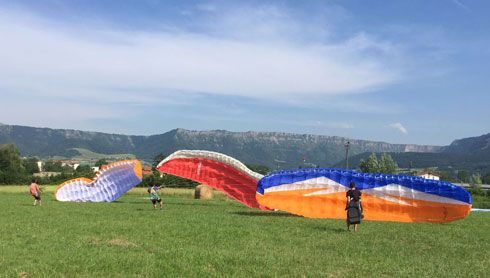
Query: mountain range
273, 149
472, 154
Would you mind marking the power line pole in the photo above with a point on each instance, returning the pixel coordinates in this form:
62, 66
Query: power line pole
347, 154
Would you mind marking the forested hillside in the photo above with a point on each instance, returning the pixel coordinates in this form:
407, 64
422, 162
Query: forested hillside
266, 148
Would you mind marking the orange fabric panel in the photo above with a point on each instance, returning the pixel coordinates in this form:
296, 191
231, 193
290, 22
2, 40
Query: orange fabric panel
333, 206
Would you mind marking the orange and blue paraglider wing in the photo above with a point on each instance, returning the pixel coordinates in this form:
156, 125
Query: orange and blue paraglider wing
111, 182
215, 170
321, 193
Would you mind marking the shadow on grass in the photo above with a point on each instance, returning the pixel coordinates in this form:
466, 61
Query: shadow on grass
264, 213
131, 202
195, 204
336, 230
165, 202
151, 209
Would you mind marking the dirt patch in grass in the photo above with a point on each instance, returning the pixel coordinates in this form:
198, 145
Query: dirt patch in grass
122, 243
113, 242
94, 241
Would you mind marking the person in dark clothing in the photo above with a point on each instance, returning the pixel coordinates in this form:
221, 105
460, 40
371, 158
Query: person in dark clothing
353, 206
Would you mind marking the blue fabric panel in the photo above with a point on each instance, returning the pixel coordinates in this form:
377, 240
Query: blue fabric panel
365, 181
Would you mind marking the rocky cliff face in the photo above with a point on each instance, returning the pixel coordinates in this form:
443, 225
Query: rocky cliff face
286, 149
471, 145
266, 148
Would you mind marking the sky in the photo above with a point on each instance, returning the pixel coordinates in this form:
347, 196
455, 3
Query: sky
395, 71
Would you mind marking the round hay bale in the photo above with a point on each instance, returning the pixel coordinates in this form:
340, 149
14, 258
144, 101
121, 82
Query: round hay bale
203, 192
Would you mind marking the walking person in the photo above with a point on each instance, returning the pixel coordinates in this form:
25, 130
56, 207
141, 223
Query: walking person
353, 206
35, 191
154, 197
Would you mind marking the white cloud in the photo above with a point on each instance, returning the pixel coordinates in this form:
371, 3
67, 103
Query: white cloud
41, 57
89, 72
461, 5
399, 127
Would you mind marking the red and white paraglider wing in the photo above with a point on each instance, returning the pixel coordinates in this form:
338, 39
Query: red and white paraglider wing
215, 170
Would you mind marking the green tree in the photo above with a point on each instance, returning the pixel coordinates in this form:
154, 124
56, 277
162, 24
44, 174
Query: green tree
261, 169
463, 176
99, 163
387, 165
84, 171
448, 176
159, 157
371, 165
30, 165
11, 168
486, 178
475, 181
52, 166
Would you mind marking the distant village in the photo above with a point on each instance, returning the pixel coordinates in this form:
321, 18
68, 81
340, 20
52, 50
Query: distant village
74, 164
147, 169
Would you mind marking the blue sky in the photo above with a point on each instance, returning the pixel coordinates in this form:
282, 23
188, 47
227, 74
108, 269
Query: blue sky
395, 71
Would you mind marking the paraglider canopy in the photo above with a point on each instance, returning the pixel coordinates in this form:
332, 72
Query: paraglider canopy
112, 181
215, 170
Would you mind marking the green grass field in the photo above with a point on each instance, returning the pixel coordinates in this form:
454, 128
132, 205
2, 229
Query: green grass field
221, 237
85, 155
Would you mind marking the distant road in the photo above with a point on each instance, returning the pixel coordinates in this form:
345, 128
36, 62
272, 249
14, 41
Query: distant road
467, 185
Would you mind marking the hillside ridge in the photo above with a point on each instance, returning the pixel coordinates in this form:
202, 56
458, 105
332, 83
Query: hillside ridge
274, 149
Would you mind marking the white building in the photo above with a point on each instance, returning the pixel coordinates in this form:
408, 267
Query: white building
428, 176
70, 163
40, 166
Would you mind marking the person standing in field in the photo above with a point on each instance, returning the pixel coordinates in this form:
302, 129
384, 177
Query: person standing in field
35, 192
353, 207
154, 197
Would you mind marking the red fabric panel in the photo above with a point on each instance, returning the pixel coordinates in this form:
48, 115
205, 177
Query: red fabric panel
218, 175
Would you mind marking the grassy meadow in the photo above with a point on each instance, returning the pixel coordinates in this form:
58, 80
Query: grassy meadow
221, 237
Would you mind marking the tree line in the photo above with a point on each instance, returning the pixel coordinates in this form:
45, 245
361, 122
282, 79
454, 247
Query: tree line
15, 169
